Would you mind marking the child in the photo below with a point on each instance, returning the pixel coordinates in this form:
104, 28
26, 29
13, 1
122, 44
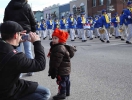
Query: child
60, 65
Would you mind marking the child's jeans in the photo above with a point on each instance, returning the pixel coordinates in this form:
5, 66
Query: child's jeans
64, 84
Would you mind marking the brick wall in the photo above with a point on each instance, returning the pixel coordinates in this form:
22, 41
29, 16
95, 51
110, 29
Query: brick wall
118, 6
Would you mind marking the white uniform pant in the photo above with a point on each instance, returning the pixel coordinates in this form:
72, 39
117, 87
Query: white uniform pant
117, 33
97, 32
72, 34
104, 35
39, 32
90, 34
82, 33
124, 33
50, 32
44, 33
108, 30
129, 32
79, 33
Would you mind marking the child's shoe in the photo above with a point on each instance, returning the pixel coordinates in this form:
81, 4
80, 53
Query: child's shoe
59, 96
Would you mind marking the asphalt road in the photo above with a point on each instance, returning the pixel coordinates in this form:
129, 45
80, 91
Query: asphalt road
100, 71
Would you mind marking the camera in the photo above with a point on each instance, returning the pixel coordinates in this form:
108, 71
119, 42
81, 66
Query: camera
26, 37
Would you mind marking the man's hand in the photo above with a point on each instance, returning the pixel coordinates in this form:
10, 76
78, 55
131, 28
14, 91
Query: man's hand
34, 37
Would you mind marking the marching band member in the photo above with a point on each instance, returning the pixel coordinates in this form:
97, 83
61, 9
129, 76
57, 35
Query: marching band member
123, 26
96, 26
105, 24
50, 28
63, 23
81, 21
116, 21
38, 29
56, 24
128, 17
91, 22
71, 22
43, 29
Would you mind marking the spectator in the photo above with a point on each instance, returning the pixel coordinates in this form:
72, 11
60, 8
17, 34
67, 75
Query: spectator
20, 12
13, 63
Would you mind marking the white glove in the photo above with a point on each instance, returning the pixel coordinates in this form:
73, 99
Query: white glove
129, 17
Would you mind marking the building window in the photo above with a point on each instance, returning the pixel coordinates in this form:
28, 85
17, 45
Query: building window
94, 3
74, 10
41, 17
82, 8
101, 2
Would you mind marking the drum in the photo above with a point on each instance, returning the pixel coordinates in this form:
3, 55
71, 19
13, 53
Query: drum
86, 26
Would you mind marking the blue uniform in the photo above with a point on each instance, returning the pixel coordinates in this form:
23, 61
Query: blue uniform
49, 26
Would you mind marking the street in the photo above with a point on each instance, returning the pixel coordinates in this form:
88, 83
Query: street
100, 71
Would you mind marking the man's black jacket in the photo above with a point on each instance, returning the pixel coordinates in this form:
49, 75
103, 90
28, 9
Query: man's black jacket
20, 12
11, 87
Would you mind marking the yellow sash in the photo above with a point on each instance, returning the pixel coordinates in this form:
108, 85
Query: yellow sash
64, 21
50, 22
38, 25
117, 19
130, 9
72, 19
107, 18
83, 20
91, 21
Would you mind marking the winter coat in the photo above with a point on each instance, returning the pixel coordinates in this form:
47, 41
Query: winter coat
60, 63
20, 12
11, 87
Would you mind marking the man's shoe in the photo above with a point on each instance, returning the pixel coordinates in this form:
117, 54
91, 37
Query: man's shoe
119, 36
122, 39
59, 96
108, 42
85, 40
102, 40
72, 40
91, 38
128, 42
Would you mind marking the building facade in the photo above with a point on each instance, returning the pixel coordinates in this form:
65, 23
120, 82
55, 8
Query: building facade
51, 12
78, 6
112, 6
38, 15
64, 10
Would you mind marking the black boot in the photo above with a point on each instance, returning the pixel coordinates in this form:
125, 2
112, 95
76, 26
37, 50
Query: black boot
59, 96
67, 94
128, 42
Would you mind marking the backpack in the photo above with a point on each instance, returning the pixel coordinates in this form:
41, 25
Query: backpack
71, 50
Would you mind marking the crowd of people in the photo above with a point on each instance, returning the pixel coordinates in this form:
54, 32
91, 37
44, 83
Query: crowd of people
100, 26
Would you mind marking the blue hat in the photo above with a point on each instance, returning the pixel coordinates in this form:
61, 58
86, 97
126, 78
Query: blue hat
82, 13
89, 17
103, 10
128, 3
96, 16
70, 15
62, 16
116, 14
